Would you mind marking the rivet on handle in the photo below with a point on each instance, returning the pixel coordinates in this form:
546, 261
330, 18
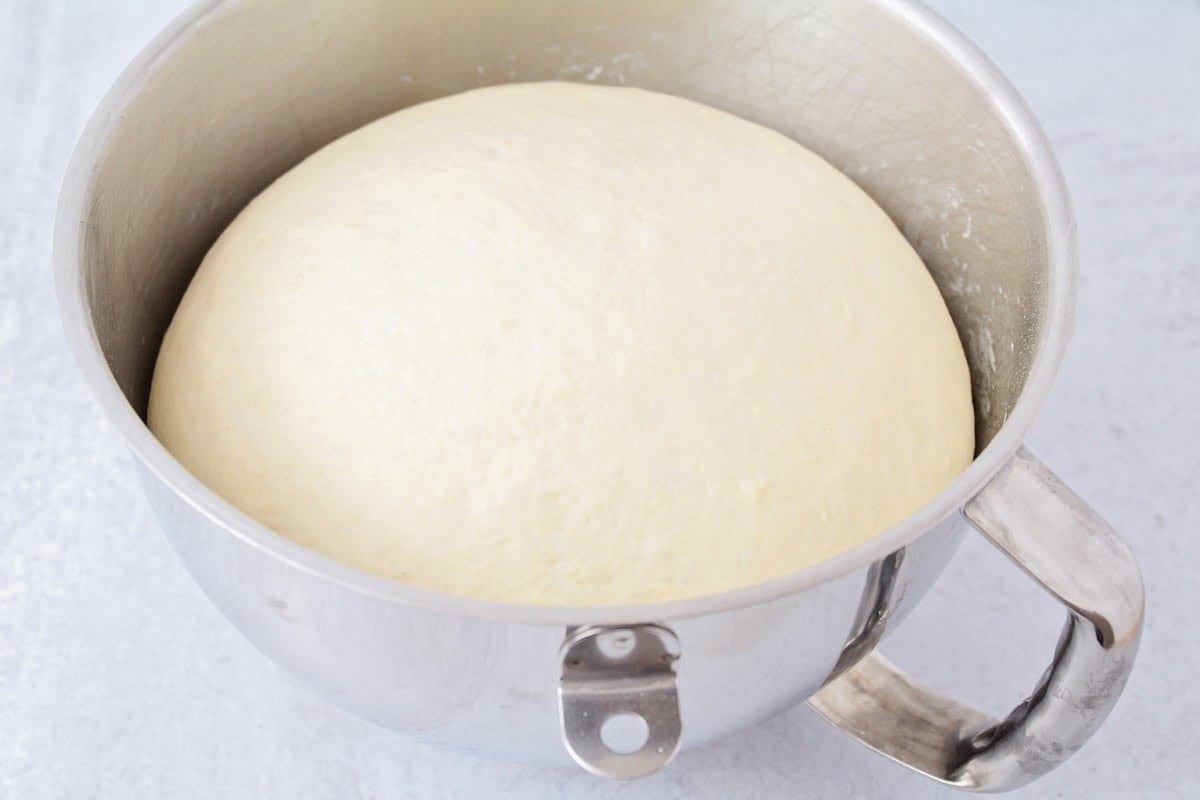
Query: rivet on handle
617, 700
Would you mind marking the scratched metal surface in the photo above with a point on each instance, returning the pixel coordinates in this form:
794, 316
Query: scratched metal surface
118, 679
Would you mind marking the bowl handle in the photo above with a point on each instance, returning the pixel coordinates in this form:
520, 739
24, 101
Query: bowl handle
1064, 545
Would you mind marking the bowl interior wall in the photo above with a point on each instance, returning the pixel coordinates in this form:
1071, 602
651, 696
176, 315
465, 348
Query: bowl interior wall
250, 88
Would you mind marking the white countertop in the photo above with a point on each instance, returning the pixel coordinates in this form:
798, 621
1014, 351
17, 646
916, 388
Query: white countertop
118, 679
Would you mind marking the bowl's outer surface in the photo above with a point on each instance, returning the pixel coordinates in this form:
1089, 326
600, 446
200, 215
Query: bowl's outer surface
238, 91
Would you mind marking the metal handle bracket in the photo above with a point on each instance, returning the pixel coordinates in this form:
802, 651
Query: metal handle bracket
614, 675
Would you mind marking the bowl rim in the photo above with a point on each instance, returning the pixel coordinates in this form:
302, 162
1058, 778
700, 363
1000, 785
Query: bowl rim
1027, 135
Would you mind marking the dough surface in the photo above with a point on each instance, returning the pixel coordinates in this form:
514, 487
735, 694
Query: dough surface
568, 345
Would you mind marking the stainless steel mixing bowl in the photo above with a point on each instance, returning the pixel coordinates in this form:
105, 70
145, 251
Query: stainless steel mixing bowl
237, 91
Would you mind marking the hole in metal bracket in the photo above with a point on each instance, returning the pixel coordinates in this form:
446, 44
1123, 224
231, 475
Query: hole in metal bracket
624, 732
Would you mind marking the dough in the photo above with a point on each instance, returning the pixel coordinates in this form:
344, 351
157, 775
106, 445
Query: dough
570, 345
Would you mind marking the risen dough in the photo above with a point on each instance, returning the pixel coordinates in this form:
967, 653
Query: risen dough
564, 344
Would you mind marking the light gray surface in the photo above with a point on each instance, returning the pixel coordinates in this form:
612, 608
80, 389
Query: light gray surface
118, 679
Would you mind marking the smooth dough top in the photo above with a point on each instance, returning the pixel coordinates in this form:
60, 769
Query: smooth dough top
568, 345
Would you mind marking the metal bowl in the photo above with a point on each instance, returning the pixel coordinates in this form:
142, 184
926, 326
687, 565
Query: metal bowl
237, 91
